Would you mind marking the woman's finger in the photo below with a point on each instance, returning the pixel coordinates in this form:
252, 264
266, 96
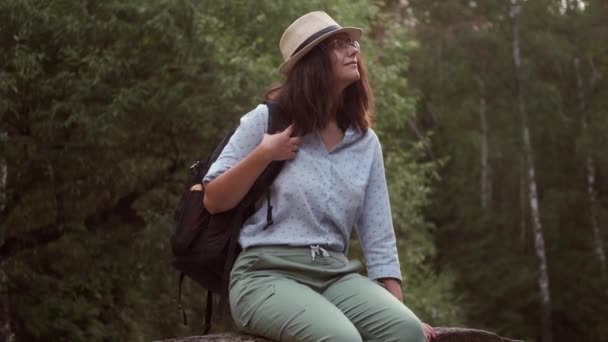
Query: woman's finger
288, 130
429, 332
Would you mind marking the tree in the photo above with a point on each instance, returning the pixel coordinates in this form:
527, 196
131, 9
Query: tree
590, 170
539, 239
493, 259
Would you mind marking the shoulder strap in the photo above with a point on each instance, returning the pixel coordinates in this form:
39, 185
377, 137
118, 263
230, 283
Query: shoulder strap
276, 123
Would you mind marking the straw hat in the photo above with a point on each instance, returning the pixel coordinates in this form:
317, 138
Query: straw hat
307, 32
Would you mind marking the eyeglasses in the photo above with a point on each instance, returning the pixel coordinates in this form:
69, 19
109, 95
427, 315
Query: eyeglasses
344, 43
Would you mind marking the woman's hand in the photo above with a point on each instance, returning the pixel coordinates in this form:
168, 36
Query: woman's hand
393, 286
429, 332
280, 146
224, 192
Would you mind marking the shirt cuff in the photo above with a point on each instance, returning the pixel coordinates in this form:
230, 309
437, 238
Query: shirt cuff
384, 271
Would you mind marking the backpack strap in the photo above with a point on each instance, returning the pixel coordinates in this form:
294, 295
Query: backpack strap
208, 312
276, 123
269, 220
231, 255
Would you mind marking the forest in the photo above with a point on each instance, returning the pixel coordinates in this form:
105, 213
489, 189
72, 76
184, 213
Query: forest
492, 117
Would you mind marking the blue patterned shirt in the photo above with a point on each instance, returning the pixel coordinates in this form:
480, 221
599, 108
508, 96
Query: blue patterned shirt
320, 195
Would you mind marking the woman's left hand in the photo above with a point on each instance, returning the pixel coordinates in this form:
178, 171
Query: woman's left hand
429, 332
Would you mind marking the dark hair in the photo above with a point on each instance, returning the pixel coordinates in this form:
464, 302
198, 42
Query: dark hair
305, 97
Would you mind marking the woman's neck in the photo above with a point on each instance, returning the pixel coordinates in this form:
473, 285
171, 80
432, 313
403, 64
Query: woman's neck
331, 135
333, 107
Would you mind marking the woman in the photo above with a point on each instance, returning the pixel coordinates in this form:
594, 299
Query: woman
292, 281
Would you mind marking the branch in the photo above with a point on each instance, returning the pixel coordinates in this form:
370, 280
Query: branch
40, 236
443, 335
54, 231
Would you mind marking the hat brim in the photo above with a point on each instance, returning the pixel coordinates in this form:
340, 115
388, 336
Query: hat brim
354, 33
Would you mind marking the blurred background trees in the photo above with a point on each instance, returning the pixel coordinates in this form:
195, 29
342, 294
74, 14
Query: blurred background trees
105, 104
482, 105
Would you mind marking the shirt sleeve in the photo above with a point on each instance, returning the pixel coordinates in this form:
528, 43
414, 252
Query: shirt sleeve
375, 225
244, 140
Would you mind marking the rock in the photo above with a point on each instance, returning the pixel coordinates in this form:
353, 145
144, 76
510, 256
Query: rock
443, 335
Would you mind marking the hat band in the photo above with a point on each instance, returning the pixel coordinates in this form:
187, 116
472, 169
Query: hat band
315, 36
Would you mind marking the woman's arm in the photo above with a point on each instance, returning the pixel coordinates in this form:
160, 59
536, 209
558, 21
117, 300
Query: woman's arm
393, 286
228, 189
375, 225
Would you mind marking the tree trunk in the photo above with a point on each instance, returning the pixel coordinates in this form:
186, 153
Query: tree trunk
443, 335
6, 333
3, 178
486, 185
590, 171
539, 241
523, 212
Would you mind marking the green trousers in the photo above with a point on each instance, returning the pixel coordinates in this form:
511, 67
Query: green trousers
305, 294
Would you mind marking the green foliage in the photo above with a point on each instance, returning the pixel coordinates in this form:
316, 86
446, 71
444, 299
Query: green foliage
103, 106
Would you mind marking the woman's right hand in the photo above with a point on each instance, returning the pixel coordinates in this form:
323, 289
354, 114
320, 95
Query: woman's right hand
280, 146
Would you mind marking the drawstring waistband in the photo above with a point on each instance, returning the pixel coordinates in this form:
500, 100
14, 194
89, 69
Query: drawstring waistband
318, 250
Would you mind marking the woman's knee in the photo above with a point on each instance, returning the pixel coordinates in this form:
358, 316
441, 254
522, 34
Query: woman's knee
345, 333
284, 310
304, 327
322, 327
407, 329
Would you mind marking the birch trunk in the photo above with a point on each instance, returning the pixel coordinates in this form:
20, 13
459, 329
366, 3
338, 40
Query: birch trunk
539, 241
6, 333
486, 190
590, 171
3, 178
523, 212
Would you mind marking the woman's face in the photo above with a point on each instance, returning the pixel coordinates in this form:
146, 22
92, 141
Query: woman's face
343, 52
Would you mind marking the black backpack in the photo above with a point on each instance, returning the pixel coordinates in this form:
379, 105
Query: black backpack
204, 245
